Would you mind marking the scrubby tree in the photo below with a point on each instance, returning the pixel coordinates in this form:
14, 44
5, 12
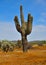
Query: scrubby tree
19, 44
25, 28
0, 44
11, 46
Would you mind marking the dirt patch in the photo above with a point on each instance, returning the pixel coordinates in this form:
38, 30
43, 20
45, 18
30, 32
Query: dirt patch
17, 57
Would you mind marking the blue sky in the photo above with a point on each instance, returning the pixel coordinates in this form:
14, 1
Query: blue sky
11, 8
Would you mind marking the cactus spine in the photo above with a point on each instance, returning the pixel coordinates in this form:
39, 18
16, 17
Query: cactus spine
25, 28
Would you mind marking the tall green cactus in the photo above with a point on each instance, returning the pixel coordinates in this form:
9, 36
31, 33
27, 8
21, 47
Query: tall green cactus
25, 28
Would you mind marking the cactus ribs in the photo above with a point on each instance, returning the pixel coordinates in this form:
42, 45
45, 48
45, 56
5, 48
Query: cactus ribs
25, 28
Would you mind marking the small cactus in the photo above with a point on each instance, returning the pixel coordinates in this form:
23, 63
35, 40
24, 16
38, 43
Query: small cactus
25, 28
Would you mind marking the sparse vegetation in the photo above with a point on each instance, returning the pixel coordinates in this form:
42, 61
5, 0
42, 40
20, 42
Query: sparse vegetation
7, 45
35, 56
19, 44
11, 45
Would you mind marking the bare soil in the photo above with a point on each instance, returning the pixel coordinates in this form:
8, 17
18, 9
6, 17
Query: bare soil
35, 56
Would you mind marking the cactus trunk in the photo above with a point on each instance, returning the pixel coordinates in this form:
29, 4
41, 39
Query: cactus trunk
24, 43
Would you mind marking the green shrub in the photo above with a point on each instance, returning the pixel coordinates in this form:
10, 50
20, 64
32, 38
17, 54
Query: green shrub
11, 48
5, 47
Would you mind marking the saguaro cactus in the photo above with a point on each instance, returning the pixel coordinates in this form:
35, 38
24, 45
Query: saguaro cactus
25, 28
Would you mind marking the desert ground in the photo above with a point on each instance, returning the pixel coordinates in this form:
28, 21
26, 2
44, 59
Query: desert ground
34, 56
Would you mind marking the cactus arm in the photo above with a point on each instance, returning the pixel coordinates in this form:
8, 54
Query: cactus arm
21, 15
29, 24
25, 29
17, 24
